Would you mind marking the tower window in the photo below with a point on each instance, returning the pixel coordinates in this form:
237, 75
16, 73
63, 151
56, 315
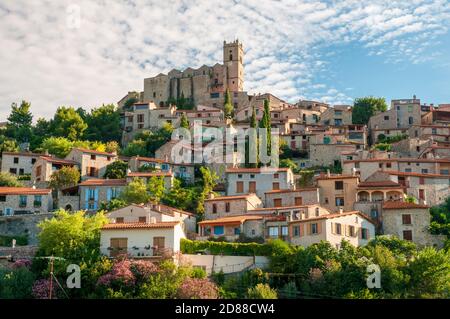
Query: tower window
231, 57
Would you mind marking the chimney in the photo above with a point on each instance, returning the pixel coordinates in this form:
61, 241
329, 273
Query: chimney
211, 195
353, 171
341, 210
414, 96
328, 173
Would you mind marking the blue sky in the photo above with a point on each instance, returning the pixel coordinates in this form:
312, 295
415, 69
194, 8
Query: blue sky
86, 53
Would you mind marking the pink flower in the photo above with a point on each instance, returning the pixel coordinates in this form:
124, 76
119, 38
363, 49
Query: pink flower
22, 263
194, 288
120, 272
41, 289
143, 269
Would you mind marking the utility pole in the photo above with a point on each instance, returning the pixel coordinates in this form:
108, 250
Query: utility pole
51, 278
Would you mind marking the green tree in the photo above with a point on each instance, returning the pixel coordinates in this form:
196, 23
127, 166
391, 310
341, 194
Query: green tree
65, 177
262, 291
135, 147
288, 163
58, 146
16, 283
209, 181
135, 192
41, 131
9, 180
117, 169
265, 123
129, 103
8, 145
156, 188
228, 105
252, 141
103, 124
73, 236
365, 107
184, 122
20, 122
68, 123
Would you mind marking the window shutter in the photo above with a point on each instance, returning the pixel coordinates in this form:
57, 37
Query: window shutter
359, 232
333, 228
308, 228
96, 194
108, 194
319, 227
301, 230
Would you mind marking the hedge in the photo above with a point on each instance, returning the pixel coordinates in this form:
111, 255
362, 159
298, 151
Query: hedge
6, 241
225, 248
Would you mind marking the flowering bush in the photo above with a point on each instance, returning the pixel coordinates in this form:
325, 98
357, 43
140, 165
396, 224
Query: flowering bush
22, 263
143, 269
41, 289
120, 274
194, 288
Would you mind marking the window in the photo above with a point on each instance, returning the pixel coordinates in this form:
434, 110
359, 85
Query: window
214, 208
276, 175
142, 219
276, 186
444, 171
21, 171
339, 201
215, 95
326, 200
140, 126
33, 160
314, 228
140, 117
298, 201
13, 170
408, 170
380, 165
239, 175
317, 211
16, 160
119, 220
386, 118
296, 231
93, 157
37, 201
407, 234
227, 207
239, 187
421, 181
91, 194
388, 165
338, 229
406, 219
252, 187
338, 185
237, 231
277, 202
2, 198
424, 171
273, 231
433, 131
410, 108
284, 231
364, 233
351, 231
23, 201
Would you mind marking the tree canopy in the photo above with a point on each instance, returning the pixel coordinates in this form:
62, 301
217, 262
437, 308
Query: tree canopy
365, 107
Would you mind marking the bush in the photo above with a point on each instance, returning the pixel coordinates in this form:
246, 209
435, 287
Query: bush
225, 248
194, 288
261, 291
9, 180
16, 284
21, 240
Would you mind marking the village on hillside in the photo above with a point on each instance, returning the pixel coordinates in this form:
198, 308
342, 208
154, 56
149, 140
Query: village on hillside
363, 180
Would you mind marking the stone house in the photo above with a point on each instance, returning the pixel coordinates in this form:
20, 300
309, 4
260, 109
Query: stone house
24, 200
231, 227
337, 192
45, 166
337, 115
258, 180
330, 154
223, 206
408, 221
94, 192
288, 197
92, 163
352, 226
146, 176
18, 163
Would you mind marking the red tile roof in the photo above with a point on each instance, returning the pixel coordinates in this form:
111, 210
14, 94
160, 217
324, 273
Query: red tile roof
256, 170
303, 189
397, 173
332, 176
148, 174
230, 220
149, 159
402, 205
85, 150
24, 191
104, 182
334, 215
237, 197
22, 154
114, 226
382, 184
56, 160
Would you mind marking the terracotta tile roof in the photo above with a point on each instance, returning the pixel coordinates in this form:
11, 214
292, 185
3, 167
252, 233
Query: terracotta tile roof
402, 205
397, 173
332, 176
85, 150
412, 160
303, 189
236, 197
22, 154
148, 174
149, 159
284, 208
24, 191
385, 184
139, 225
57, 160
231, 220
256, 170
104, 182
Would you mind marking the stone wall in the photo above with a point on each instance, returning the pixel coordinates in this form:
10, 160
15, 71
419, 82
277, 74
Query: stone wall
22, 225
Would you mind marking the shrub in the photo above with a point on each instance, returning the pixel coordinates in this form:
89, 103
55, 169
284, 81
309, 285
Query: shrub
41, 289
194, 288
119, 275
16, 284
225, 248
261, 291
21, 240
22, 263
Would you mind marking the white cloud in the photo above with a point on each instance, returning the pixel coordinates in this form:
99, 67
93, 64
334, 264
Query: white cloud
119, 43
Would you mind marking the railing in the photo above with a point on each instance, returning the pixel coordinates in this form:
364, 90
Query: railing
138, 252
